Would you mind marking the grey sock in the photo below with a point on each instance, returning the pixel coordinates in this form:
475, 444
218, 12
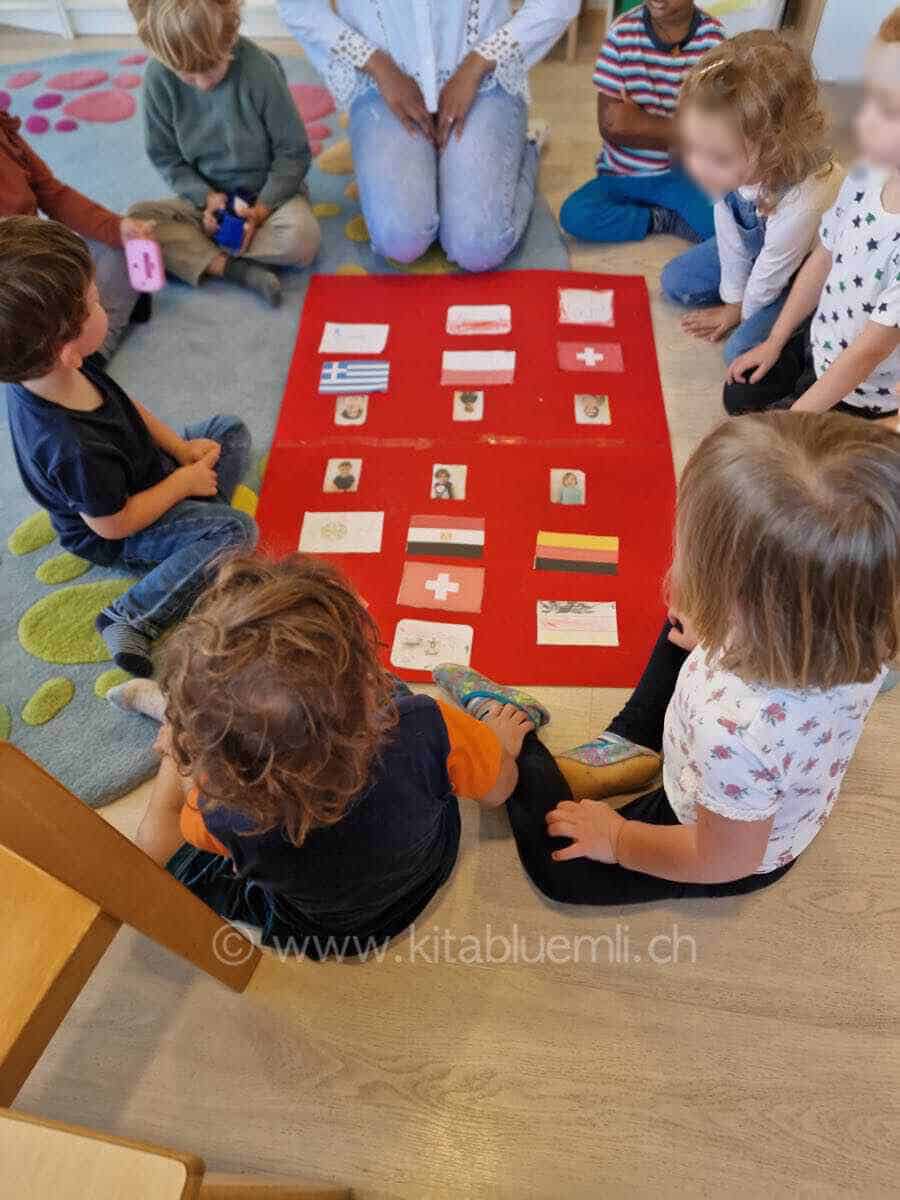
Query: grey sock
141, 696
130, 648
257, 278
664, 220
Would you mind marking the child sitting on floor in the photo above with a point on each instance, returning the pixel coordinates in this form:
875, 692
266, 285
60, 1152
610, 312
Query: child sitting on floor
753, 136
785, 610
318, 795
219, 119
639, 71
121, 487
848, 358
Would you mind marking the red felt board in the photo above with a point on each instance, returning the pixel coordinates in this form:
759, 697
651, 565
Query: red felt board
528, 429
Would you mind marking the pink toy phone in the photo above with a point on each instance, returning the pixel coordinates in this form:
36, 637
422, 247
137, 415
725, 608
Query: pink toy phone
145, 264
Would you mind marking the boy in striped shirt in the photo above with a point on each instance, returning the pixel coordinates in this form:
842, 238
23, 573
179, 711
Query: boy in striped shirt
639, 71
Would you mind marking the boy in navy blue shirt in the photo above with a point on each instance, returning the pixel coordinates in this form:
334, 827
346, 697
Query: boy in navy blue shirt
120, 486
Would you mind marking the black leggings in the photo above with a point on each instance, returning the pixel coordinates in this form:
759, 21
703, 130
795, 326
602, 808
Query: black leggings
793, 374
541, 788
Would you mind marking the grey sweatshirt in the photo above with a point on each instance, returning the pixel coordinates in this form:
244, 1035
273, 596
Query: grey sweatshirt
245, 133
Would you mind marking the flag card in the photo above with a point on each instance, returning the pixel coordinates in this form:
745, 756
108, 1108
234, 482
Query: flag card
423, 645
450, 537
577, 623
464, 368
438, 585
580, 552
448, 481
585, 306
354, 375
344, 338
468, 406
590, 356
592, 410
341, 532
342, 475
463, 319
567, 485
351, 410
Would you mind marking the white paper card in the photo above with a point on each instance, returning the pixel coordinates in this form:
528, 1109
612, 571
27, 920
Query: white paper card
577, 623
341, 532
421, 645
344, 338
465, 319
585, 306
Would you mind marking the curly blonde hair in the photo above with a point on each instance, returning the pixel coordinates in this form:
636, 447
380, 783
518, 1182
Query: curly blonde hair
188, 36
767, 88
890, 27
276, 699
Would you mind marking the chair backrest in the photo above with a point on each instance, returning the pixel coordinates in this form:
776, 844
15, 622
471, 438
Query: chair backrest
68, 880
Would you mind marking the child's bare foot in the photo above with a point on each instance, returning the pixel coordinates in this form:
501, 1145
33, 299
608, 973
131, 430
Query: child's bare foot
141, 696
509, 723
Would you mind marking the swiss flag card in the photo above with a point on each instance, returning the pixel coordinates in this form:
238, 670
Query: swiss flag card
590, 356
439, 585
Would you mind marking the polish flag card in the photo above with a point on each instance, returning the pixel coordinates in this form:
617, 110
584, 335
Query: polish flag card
465, 319
438, 585
462, 368
590, 356
585, 306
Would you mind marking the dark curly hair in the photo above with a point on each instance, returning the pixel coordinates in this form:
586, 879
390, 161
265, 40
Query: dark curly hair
767, 87
276, 700
45, 271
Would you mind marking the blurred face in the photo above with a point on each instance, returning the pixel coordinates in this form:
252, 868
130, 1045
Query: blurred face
205, 81
878, 121
670, 12
713, 152
93, 331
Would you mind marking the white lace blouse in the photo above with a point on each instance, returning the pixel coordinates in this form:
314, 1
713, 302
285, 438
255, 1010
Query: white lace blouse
428, 39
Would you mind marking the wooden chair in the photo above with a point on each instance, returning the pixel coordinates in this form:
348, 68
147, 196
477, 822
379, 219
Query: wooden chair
68, 881
44, 1159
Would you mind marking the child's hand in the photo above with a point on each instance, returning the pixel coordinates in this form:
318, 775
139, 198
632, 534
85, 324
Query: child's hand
200, 478
130, 228
682, 633
712, 324
510, 725
593, 826
760, 360
215, 201
193, 449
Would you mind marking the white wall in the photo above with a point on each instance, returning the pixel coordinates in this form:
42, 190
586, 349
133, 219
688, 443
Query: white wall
845, 32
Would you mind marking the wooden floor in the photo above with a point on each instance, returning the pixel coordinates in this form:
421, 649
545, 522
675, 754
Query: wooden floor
757, 1057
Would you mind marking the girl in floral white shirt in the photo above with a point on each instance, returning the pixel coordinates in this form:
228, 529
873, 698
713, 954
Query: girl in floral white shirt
785, 611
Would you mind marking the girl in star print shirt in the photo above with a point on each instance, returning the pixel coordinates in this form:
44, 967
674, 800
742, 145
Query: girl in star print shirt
847, 356
785, 610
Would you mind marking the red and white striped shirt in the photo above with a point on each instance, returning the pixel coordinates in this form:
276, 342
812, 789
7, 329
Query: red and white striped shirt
651, 72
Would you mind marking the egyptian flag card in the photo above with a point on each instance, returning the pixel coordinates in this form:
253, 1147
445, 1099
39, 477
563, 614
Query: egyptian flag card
450, 537
580, 552
590, 356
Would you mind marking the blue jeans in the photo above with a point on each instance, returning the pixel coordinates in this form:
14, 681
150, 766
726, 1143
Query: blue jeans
177, 551
616, 208
694, 278
476, 195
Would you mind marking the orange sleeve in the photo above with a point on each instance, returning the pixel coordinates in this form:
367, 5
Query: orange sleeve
193, 827
475, 753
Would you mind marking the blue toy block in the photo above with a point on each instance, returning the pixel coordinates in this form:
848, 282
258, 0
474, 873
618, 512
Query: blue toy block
230, 234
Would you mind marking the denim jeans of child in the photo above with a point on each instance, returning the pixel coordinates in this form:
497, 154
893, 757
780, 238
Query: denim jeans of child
176, 553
